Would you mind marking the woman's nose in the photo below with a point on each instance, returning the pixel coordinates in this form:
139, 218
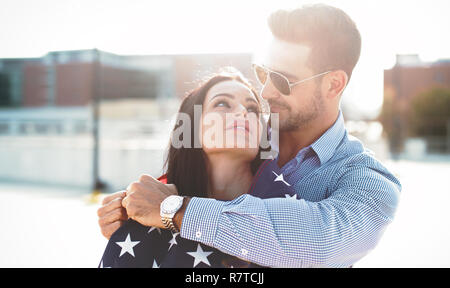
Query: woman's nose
241, 110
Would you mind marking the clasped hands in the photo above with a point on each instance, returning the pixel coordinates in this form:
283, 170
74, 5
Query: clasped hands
140, 201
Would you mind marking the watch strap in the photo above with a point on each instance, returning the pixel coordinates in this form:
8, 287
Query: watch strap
168, 223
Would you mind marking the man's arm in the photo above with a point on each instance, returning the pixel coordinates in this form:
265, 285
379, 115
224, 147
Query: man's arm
178, 218
337, 231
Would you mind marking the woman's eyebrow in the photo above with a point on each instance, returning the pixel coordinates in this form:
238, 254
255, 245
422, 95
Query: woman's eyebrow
248, 99
222, 94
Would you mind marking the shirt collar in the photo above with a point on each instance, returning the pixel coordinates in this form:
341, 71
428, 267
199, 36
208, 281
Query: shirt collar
326, 145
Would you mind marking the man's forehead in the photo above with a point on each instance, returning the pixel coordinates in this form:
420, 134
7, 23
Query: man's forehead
288, 57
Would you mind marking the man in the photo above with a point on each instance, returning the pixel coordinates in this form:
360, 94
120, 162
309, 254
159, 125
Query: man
345, 197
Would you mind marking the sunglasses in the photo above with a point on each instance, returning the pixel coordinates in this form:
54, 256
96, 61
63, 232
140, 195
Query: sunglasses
279, 81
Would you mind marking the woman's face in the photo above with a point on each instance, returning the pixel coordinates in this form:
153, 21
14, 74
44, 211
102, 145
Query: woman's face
230, 120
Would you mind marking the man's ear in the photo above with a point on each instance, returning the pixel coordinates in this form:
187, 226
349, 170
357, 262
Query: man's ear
336, 83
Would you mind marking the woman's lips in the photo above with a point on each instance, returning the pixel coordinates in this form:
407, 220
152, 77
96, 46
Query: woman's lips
243, 125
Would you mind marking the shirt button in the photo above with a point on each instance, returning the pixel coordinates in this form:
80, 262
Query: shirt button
244, 252
198, 234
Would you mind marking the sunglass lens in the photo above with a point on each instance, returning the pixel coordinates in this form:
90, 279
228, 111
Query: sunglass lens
280, 83
261, 74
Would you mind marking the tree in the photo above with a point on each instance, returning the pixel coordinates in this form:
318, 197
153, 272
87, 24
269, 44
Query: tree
430, 113
393, 121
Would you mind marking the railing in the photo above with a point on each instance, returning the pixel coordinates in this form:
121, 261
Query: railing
60, 151
44, 127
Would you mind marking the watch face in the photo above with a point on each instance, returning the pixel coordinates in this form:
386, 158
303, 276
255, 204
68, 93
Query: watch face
171, 204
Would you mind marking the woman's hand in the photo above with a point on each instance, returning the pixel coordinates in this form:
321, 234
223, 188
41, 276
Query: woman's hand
112, 215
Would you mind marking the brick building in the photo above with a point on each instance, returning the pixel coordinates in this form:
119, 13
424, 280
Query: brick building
68, 78
408, 78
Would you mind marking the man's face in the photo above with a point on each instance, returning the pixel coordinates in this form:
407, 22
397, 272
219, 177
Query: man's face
305, 103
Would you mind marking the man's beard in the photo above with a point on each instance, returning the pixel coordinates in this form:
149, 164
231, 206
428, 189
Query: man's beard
295, 119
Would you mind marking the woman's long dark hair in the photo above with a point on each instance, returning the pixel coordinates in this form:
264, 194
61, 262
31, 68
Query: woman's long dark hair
186, 167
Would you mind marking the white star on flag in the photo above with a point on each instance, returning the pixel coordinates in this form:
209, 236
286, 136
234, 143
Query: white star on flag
173, 241
280, 178
200, 256
127, 246
291, 197
153, 228
155, 265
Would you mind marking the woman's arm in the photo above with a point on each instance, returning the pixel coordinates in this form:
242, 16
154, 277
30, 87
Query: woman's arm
111, 215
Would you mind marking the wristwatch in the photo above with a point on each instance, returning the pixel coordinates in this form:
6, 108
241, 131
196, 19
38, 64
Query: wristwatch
169, 207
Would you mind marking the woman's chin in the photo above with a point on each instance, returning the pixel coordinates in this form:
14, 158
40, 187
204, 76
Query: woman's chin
244, 152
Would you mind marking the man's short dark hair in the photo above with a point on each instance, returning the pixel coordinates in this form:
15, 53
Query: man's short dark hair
332, 35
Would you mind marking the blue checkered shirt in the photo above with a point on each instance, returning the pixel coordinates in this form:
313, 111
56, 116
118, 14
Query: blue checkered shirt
345, 200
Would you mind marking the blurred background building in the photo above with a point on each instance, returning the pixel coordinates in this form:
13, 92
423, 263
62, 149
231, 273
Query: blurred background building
48, 113
416, 107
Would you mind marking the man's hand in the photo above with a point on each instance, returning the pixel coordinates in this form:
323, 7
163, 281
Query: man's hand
112, 215
143, 200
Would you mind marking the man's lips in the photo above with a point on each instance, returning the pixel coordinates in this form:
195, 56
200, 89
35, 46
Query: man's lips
276, 108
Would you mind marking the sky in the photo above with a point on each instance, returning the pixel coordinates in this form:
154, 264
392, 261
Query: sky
135, 27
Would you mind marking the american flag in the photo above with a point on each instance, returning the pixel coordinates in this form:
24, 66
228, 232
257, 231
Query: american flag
135, 245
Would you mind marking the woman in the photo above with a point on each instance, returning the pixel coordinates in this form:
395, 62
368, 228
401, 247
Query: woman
224, 165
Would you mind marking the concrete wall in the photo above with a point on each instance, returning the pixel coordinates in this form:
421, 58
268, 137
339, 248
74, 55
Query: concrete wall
55, 146
68, 160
